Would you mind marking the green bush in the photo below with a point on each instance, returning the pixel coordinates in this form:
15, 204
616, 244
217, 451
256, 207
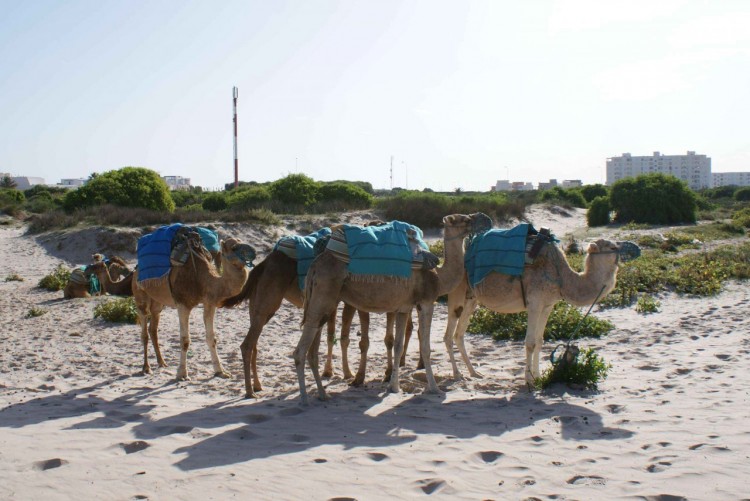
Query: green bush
742, 217
742, 194
647, 304
121, 310
598, 213
214, 202
561, 324
571, 196
126, 187
14, 277
654, 199
35, 311
253, 197
57, 280
592, 191
296, 190
348, 194
587, 370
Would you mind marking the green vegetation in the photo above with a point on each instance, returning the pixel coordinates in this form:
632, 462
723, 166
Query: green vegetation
120, 310
647, 304
14, 277
561, 324
598, 213
125, 187
587, 371
653, 198
35, 311
566, 197
57, 280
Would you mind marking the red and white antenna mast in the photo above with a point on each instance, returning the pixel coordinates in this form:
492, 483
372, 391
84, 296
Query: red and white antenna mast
236, 163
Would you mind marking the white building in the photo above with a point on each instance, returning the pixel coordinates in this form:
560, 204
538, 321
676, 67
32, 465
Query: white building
730, 179
694, 169
72, 183
26, 182
547, 186
177, 182
572, 183
506, 185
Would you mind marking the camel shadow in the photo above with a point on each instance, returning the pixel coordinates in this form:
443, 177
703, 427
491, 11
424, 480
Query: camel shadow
272, 428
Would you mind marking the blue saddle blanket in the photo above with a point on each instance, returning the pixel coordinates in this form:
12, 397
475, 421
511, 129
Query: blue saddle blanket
502, 251
154, 249
301, 249
384, 249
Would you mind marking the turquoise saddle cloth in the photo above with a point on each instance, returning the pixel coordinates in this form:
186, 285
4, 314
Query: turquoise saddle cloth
300, 248
154, 249
501, 251
388, 249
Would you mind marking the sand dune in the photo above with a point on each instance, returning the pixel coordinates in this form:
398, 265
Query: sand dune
78, 421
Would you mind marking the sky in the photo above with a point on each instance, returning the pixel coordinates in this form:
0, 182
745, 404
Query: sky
413, 94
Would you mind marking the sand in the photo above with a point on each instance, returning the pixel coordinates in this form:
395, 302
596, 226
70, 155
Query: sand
78, 421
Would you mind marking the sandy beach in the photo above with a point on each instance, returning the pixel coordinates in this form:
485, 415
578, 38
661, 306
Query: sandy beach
79, 421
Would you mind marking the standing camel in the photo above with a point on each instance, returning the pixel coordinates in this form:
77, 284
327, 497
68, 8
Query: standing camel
537, 290
196, 282
329, 281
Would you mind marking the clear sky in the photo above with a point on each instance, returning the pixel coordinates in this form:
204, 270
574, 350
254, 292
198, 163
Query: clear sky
460, 93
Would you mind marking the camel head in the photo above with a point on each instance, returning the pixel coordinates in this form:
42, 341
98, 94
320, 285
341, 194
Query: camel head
603, 254
237, 253
460, 225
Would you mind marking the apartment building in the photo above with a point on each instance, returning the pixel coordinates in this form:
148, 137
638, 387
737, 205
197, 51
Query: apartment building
177, 182
694, 169
730, 179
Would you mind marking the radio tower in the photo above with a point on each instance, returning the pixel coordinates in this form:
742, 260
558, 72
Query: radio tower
236, 163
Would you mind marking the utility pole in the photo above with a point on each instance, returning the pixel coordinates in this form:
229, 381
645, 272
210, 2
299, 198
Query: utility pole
391, 172
235, 93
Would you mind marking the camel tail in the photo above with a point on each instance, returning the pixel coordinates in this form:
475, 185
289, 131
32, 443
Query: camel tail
248, 290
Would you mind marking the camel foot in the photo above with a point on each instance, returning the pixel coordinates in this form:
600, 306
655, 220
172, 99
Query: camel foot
477, 374
257, 387
420, 365
327, 373
163, 364
348, 374
250, 395
182, 377
222, 374
457, 376
146, 370
387, 376
357, 381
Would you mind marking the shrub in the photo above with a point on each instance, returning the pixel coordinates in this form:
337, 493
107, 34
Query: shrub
14, 277
598, 213
35, 311
297, 190
57, 280
742, 217
126, 187
587, 370
592, 191
347, 194
253, 197
653, 198
214, 202
561, 324
742, 194
120, 310
570, 196
647, 304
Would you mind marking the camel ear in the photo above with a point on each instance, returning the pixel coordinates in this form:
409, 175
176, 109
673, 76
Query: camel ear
592, 248
448, 220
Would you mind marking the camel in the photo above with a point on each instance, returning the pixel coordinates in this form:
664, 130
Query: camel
329, 281
121, 287
78, 284
542, 285
196, 282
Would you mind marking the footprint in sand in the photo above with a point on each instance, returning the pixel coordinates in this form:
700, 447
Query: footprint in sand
490, 456
615, 408
587, 480
320, 460
665, 497
724, 357
243, 434
377, 456
431, 485
50, 464
342, 498
658, 467
136, 446
299, 439
292, 411
256, 418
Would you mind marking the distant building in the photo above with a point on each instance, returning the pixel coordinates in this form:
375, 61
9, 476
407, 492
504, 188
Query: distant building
505, 185
72, 183
177, 182
694, 169
730, 179
572, 183
546, 186
26, 182
502, 185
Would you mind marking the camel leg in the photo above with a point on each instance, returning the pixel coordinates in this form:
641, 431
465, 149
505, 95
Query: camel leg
425, 324
312, 358
153, 332
309, 331
463, 324
364, 346
331, 338
398, 350
454, 316
143, 322
347, 315
249, 350
183, 313
534, 338
390, 320
209, 313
